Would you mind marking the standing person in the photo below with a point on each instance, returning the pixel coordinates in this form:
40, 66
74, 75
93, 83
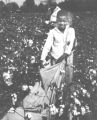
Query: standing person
60, 42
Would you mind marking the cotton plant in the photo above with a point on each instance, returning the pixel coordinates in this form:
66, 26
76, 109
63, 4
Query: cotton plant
14, 98
92, 80
19, 33
61, 109
7, 77
53, 109
92, 73
79, 106
73, 110
25, 87
28, 115
82, 95
93, 76
81, 111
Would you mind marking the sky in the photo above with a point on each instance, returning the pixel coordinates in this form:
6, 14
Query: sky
19, 2
37, 2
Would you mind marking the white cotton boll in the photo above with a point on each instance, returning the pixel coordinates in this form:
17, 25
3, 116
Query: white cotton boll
88, 94
87, 108
84, 91
75, 94
75, 113
28, 114
30, 42
62, 106
16, 52
14, 98
62, 71
77, 101
25, 87
7, 76
60, 98
56, 110
72, 96
92, 72
11, 110
31, 89
4, 56
83, 110
11, 68
47, 22
93, 82
32, 59
61, 111
53, 109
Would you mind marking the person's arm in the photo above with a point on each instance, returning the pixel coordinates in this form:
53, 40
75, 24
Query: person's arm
70, 41
47, 46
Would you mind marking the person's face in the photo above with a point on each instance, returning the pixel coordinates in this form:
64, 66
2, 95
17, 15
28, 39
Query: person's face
62, 21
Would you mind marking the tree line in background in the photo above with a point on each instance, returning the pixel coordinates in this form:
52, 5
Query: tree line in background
29, 6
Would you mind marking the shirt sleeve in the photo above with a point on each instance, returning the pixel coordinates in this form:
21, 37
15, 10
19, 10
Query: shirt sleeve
70, 41
47, 46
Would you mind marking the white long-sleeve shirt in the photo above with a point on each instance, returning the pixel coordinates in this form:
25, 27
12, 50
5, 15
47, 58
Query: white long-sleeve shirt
59, 42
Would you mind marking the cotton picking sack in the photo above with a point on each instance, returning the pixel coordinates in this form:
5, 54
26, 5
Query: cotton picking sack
52, 75
18, 114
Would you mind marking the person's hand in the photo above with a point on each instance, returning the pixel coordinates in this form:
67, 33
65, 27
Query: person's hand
42, 63
64, 56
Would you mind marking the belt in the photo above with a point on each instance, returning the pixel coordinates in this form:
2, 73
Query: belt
53, 60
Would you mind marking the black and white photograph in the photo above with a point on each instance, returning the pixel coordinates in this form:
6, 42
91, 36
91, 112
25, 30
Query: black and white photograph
48, 59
